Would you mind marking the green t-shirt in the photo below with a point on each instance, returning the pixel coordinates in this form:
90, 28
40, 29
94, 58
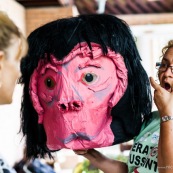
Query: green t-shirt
143, 155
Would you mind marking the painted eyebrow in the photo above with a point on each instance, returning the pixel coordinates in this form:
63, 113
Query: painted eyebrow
89, 64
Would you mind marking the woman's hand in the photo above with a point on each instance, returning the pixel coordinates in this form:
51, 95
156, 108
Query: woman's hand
163, 99
80, 152
102, 162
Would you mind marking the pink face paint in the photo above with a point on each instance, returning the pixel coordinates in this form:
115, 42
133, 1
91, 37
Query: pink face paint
73, 97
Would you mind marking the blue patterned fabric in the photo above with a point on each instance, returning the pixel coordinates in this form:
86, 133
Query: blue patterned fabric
5, 168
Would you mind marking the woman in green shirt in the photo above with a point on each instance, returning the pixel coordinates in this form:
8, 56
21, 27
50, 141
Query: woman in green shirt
152, 150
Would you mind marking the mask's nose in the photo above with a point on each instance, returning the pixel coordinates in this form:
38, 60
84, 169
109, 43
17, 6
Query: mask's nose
73, 105
69, 98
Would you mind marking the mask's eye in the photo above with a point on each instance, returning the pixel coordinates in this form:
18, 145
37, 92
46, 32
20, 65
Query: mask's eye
49, 82
89, 78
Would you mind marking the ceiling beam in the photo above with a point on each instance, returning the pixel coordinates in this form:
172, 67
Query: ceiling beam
39, 3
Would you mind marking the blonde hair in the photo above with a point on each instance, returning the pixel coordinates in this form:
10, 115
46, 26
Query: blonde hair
169, 45
8, 30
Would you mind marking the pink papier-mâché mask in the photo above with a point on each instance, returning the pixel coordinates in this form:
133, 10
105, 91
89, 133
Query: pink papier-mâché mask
74, 97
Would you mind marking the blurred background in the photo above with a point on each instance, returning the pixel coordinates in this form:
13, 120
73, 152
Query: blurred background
151, 22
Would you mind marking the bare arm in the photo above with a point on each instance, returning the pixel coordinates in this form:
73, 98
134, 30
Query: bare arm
103, 163
164, 102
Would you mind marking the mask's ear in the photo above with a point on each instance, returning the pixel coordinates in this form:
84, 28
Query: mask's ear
1, 64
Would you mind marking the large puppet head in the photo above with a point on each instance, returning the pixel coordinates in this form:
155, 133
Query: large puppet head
84, 85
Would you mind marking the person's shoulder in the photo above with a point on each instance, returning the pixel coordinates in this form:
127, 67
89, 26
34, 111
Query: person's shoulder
155, 114
150, 125
154, 118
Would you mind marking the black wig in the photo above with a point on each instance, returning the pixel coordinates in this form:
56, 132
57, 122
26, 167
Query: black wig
59, 38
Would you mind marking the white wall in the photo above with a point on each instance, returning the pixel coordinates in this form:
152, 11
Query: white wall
16, 12
150, 40
11, 146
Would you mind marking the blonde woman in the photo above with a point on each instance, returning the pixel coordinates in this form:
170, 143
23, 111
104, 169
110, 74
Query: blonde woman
13, 46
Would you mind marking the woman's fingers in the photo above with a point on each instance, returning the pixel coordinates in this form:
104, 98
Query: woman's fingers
80, 152
155, 85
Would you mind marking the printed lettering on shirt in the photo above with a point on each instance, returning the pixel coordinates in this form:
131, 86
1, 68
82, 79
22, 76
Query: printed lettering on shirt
144, 156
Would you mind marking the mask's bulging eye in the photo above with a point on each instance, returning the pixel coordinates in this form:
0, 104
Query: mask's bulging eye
49, 82
89, 78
